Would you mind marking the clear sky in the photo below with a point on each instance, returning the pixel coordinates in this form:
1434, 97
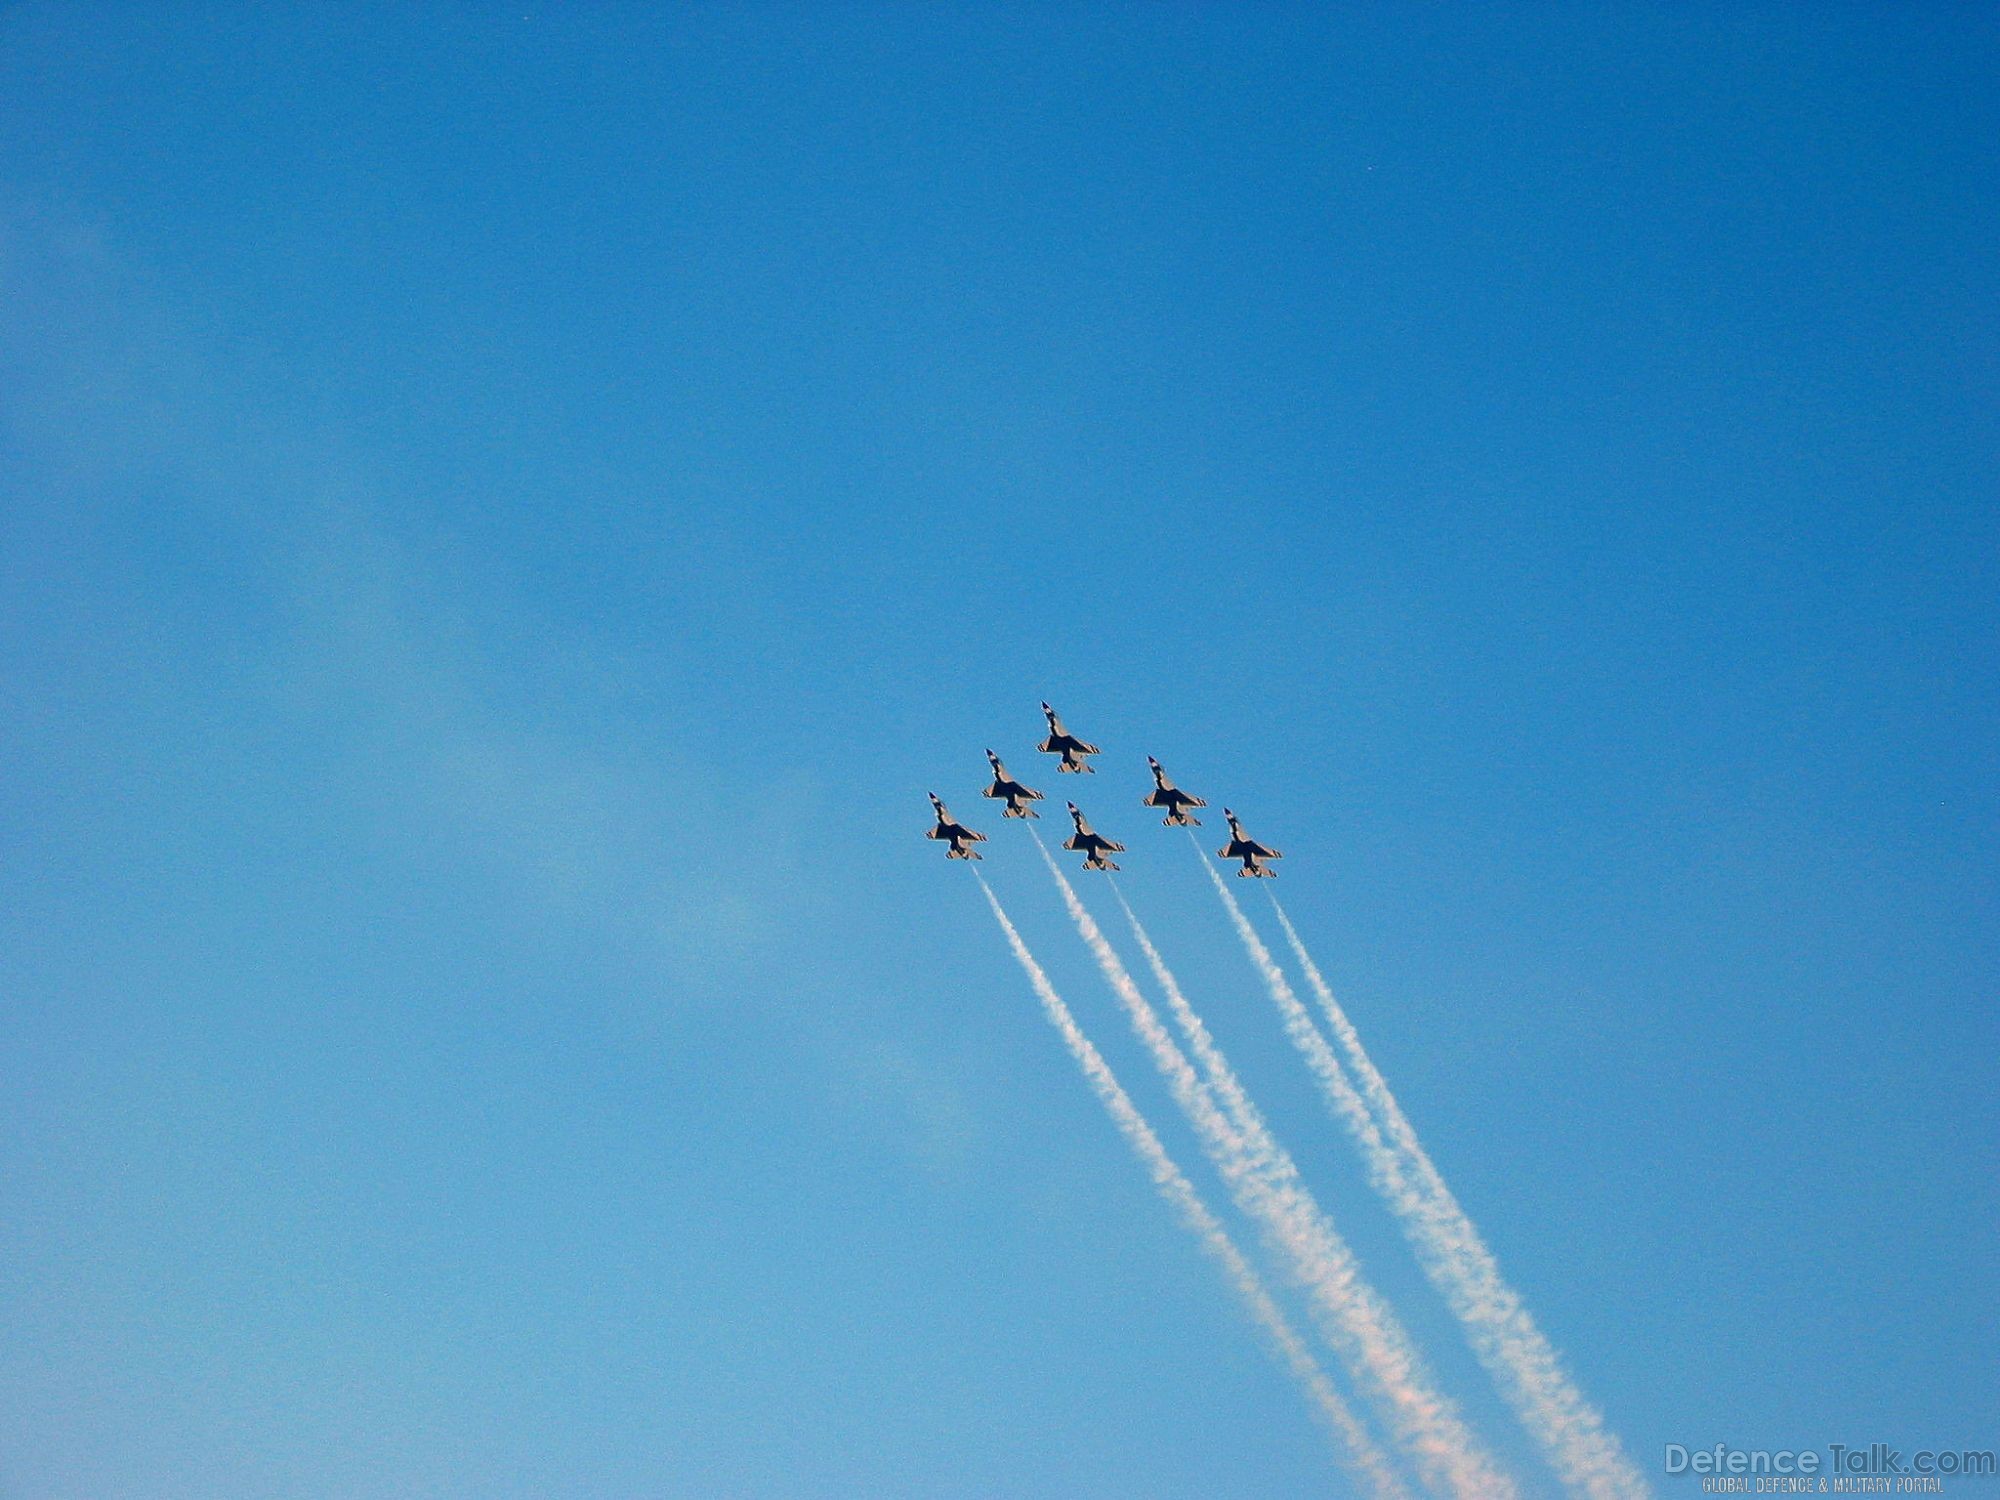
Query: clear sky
505, 512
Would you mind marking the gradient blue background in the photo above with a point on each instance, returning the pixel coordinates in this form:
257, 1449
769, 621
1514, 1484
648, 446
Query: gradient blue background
505, 512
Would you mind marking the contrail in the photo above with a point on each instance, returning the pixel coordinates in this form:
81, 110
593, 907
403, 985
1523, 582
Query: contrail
1584, 1452
1266, 1185
1384, 1169
1359, 1450
1596, 1467
1222, 1080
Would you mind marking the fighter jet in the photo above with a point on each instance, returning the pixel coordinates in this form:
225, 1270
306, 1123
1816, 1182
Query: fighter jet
1016, 794
1248, 850
1094, 845
953, 832
1173, 799
1068, 746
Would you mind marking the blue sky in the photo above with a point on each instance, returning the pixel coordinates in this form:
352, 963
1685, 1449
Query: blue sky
505, 513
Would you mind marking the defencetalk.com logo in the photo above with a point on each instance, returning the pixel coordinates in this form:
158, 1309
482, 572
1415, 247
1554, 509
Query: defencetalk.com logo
1872, 1469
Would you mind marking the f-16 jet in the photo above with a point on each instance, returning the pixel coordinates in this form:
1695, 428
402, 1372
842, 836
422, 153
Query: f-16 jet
1252, 853
1094, 845
1015, 794
1173, 799
1068, 746
954, 833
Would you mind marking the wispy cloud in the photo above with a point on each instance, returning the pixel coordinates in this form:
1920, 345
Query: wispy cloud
444, 711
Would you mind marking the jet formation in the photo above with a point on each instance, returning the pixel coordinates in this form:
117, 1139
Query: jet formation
1072, 756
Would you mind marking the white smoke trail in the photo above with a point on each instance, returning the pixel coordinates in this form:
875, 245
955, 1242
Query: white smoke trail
1222, 1081
1384, 1170
1598, 1469
1266, 1185
1584, 1452
1357, 1448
